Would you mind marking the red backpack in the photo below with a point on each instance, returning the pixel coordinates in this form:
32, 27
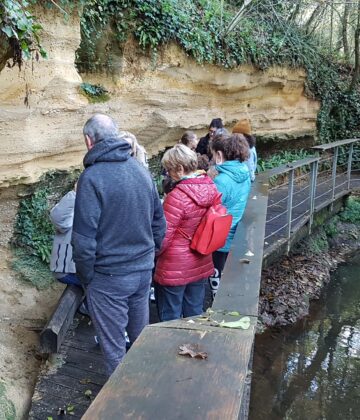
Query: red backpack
213, 230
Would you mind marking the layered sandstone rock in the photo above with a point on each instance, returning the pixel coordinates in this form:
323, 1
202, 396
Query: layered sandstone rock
156, 102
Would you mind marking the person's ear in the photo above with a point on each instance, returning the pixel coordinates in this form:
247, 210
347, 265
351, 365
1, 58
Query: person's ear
88, 142
218, 157
180, 171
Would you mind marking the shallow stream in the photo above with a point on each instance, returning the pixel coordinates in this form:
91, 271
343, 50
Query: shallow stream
311, 371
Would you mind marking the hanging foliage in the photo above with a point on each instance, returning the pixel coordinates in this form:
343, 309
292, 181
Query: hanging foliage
21, 30
319, 36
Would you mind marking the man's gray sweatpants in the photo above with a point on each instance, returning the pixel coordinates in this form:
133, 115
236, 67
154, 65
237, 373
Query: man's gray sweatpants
116, 303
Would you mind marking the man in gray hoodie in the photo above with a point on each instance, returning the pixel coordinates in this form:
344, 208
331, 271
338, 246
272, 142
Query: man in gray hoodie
118, 226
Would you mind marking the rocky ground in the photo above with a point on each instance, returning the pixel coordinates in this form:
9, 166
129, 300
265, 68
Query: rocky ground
288, 286
23, 312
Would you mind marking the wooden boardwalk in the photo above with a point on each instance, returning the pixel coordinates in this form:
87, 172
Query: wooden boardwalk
76, 375
66, 389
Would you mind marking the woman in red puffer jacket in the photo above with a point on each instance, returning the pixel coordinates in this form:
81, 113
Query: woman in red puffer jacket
181, 273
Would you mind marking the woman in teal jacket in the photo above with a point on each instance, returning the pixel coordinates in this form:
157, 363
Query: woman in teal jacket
230, 154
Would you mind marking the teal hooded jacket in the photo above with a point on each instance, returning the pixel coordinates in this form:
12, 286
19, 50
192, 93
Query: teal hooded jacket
234, 183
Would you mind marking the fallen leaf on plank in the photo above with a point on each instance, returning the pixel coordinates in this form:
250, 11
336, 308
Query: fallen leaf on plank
234, 313
243, 323
193, 351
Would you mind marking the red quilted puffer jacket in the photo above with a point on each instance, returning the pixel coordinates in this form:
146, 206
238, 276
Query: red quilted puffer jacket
184, 206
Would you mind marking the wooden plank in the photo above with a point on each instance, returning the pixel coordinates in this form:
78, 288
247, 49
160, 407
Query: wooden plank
54, 332
154, 382
240, 284
73, 342
78, 373
43, 409
88, 362
78, 385
63, 396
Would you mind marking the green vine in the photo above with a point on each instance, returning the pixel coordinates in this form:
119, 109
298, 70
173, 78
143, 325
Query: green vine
33, 229
21, 30
263, 37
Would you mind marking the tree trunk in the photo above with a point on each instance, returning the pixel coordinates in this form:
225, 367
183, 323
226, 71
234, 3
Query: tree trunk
331, 27
295, 12
345, 41
312, 18
356, 74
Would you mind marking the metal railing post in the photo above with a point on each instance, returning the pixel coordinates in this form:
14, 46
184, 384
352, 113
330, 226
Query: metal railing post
333, 176
289, 207
313, 178
351, 150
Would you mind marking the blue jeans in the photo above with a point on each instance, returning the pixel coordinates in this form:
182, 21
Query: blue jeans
174, 302
116, 303
70, 278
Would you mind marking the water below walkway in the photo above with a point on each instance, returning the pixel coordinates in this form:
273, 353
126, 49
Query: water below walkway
311, 371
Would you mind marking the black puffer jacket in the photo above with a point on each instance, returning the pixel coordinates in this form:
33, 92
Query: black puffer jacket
203, 146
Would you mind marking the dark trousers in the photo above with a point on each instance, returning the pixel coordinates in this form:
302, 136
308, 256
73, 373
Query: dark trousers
219, 260
174, 302
117, 303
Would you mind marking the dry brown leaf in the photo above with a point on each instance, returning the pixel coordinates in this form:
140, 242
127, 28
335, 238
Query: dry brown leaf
193, 351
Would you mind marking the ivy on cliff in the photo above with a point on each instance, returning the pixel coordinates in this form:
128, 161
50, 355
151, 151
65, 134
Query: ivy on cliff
263, 37
21, 30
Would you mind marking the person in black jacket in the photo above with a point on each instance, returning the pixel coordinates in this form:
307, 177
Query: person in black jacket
118, 225
203, 146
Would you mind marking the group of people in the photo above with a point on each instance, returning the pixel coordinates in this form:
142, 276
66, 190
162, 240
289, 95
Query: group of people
113, 226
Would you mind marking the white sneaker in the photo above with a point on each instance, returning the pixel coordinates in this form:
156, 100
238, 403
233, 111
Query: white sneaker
127, 338
152, 294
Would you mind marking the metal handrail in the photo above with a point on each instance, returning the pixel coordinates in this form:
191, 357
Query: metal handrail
288, 167
334, 144
329, 176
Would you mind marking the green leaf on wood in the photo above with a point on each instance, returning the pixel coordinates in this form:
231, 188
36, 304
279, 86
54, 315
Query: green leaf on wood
243, 323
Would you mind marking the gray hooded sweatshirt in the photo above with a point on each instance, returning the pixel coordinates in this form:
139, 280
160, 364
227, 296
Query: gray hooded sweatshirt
62, 216
119, 220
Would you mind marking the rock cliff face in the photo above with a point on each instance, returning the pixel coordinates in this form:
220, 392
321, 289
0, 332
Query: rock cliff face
157, 103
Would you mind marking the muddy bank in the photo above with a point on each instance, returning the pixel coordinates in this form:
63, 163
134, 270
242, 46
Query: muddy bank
288, 286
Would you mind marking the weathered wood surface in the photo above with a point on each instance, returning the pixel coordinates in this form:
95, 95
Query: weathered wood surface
77, 368
154, 382
240, 283
55, 330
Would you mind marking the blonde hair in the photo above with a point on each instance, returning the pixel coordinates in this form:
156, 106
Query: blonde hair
137, 150
180, 155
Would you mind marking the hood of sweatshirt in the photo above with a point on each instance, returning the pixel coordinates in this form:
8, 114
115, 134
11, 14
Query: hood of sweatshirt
236, 170
201, 190
113, 149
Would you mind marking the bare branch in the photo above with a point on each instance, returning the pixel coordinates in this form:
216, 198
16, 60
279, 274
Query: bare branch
237, 17
59, 7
